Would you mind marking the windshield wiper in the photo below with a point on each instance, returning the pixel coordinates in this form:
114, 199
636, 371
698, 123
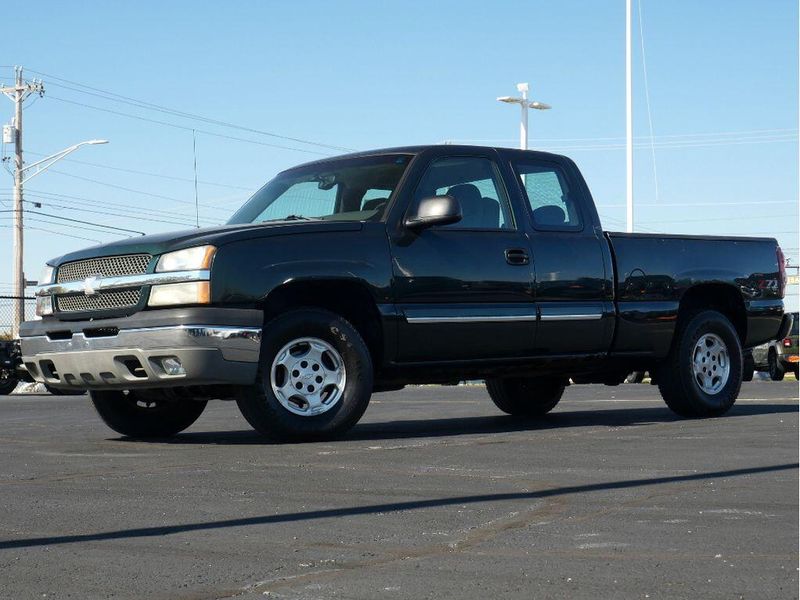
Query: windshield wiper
290, 218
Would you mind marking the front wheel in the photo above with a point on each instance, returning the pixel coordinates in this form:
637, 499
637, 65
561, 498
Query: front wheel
147, 413
8, 381
315, 378
702, 375
776, 370
525, 396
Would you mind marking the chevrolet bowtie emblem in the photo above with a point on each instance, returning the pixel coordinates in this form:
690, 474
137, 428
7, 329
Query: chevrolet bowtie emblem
89, 285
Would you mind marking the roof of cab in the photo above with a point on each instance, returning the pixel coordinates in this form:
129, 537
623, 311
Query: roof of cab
419, 148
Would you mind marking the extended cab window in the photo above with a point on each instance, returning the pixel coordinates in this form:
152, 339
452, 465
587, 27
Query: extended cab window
354, 189
553, 205
476, 184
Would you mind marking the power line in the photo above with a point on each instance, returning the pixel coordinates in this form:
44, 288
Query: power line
184, 128
114, 97
84, 225
132, 190
127, 207
77, 237
148, 173
713, 134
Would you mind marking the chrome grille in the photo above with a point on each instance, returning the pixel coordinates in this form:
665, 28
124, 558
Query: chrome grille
101, 301
107, 266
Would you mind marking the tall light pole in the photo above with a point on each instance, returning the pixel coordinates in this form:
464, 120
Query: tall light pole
18, 93
628, 122
525, 105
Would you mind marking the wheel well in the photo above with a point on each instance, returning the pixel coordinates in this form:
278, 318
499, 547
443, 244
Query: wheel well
716, 296
349, 299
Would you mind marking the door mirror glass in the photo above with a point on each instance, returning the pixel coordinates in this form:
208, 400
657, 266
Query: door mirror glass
435, 210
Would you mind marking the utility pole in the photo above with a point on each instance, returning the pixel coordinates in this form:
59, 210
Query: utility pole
628, 122
523, 102
18, 93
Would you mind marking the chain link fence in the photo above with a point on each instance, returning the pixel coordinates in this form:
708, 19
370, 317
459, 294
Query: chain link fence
7, 313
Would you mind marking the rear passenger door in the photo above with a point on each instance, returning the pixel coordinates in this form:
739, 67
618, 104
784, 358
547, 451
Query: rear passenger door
572, 292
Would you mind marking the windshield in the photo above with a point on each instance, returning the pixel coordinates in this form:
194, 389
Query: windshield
355, 189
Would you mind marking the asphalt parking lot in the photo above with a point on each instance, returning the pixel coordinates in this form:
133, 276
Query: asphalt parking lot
435, 494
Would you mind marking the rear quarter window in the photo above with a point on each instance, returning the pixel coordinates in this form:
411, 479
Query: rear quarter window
554, 205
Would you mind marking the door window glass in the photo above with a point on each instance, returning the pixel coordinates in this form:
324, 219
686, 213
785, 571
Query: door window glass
553, 204
475, 183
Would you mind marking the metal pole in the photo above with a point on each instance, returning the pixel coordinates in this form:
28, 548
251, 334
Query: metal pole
628, 121
523, 124
18, 276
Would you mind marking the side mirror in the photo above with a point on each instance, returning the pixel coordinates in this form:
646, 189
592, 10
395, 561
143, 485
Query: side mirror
436, 210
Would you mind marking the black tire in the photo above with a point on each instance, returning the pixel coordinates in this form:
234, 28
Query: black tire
748, 366
526, 396
795, 371
776, 370
677, 384
59, 392
265, 413
8, 382
146, 414
635, 377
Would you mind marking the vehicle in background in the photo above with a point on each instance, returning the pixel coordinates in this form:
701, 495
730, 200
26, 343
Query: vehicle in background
368, 272
779, 356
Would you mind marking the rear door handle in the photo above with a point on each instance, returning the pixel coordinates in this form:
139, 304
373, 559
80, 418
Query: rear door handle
517, 256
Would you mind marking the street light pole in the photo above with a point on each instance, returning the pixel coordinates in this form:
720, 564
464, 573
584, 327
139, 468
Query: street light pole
18, 93
628, 122
525, 105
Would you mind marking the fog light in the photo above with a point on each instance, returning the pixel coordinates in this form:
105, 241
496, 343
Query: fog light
44, 306
172, 366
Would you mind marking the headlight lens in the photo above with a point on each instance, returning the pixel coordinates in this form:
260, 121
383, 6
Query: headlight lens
47, 275
190, 259
170, 294
44, 306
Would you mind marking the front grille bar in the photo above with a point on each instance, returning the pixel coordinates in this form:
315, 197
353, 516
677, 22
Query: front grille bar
124, 281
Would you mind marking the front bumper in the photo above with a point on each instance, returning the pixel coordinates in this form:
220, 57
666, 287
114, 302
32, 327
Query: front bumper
212, 345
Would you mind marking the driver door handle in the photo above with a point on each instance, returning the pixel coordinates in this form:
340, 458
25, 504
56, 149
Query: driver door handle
517, 256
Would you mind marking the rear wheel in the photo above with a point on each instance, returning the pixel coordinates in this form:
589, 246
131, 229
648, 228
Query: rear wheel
526, 396
635, 377
315, 378
703, 374
776, 370
146, 413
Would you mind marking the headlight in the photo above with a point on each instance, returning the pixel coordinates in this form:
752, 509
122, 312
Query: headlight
190, 259
44, 306
47, 275
170, 294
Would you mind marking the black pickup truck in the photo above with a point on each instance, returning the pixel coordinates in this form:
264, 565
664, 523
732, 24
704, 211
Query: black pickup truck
367, 272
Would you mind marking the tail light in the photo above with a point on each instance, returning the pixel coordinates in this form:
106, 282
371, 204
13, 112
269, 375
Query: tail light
787, 342
781, 272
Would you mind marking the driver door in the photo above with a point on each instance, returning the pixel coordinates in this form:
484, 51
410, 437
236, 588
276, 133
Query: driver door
464, 291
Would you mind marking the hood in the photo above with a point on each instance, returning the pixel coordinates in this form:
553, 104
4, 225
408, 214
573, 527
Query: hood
160, 243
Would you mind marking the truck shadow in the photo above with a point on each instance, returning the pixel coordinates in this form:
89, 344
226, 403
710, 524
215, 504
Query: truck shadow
488, 424
392, 507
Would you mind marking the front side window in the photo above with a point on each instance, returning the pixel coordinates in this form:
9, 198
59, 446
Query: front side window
355, 189
476, 184
552, 203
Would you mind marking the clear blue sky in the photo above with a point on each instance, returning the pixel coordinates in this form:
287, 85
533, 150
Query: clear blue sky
722, 74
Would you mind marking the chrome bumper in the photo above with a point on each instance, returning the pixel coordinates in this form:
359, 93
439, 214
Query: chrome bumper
134, 358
